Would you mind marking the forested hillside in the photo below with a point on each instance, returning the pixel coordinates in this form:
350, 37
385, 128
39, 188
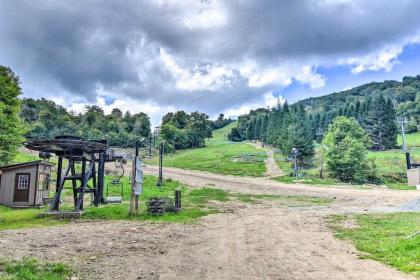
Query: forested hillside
405, 97
45, 119
376, 106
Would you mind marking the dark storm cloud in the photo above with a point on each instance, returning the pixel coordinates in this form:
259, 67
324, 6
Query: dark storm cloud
74, 48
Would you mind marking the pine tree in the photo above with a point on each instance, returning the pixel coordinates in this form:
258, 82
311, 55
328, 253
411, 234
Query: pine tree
299, 134
381, 124
258, 128
250, 132
390, 140
263, 129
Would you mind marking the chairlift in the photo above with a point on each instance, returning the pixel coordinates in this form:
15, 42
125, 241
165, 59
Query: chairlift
116, 182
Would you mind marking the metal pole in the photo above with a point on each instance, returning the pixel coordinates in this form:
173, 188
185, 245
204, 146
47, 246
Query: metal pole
150, 146
159, 182
403, 134
408, 160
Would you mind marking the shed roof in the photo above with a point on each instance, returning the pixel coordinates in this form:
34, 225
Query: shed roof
24, 164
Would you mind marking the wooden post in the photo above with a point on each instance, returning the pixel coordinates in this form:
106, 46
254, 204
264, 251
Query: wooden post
134, 199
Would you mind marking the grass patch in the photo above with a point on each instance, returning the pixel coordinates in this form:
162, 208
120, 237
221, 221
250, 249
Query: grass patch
306, 180
24, 157
389, 238
191, 208
22, 218
196, 203
32, 269
390, 165
257, 198
204, 195
219, 156
412, 139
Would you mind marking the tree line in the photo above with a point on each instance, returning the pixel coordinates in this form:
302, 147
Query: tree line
45, 119
30, 118
294, 126
181, 130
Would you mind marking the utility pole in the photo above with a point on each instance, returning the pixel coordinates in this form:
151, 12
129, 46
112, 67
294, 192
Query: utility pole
160, 180
407, 154
150, 146
402, 122
295, 153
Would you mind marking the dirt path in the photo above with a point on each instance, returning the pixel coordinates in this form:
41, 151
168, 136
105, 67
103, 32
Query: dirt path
272, 169
254, 241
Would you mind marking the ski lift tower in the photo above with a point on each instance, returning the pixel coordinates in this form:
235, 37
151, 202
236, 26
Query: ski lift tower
92, 157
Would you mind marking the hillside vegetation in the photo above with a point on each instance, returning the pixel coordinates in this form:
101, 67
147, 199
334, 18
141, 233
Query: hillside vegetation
219, 156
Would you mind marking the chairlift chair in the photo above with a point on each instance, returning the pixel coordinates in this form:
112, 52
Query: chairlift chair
116, 182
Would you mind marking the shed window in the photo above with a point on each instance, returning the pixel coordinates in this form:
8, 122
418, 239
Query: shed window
23, 182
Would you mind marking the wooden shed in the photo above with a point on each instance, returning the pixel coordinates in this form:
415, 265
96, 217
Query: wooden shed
25, 184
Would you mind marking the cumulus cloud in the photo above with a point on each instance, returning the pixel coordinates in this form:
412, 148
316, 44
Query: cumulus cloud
383, 60
268, 100
210, 55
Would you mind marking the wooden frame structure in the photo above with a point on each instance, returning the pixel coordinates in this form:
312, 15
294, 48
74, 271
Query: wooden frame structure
92, 156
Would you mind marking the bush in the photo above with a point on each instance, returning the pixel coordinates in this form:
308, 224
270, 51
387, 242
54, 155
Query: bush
346, 151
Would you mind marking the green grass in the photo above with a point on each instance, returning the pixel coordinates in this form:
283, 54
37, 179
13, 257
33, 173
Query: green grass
219, 156
195, 203
32, 269
412, 139
306, 180
204, 195
390, 165
389, 238
20, 218
310, 175
24, 157
293, 199
190, 209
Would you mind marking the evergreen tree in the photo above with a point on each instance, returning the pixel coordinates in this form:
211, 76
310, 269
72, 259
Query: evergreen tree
299, 134
390, 139
258, 128
381, 124
250, 133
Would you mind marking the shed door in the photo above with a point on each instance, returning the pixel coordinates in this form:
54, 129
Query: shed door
22, 184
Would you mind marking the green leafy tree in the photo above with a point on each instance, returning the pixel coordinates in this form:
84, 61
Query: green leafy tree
346, 150
11, 128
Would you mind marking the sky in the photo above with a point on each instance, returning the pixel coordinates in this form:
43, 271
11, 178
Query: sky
156, 56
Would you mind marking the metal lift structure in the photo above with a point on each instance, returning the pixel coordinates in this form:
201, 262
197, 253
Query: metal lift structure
91, 154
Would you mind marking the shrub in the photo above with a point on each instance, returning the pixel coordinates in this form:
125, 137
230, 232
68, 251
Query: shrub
346, 151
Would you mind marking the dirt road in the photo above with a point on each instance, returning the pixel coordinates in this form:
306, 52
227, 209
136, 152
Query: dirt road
254, 241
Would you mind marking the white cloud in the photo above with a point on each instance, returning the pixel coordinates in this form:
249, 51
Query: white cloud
124, 103
258, 77
282, 75
382, 60
268, 101
308, 75
205, 77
